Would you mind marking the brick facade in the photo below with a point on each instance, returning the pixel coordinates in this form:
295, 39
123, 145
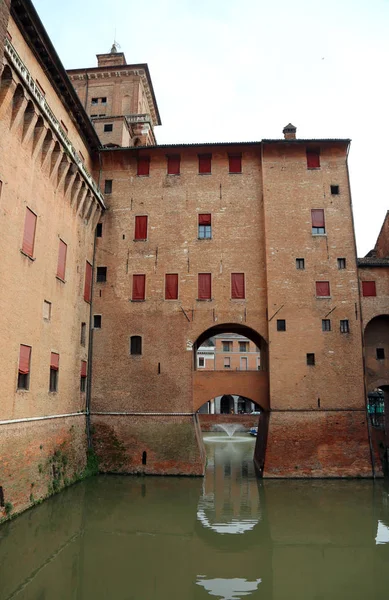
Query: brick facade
4, 17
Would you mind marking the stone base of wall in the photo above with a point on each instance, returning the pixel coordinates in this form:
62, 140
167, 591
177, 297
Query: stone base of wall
317, 444
38, 458
147, 444
207, 422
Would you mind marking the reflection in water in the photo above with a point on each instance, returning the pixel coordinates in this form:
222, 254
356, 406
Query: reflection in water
227, 537
230, 499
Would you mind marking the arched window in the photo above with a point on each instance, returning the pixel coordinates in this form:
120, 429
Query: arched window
136, 344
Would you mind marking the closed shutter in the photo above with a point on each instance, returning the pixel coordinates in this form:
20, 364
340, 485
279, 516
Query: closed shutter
313, 159
173, 164
54, 361
24, 359
171, 287
235, 163
204, 285
84, 366
205, 161
322, 288
237, 286
29, 233
61, 267
317, 216
141, 228
138, 287
143, 166
205, 219
368, 288
88, 282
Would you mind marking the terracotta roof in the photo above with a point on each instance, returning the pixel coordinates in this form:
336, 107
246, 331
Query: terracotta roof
373, 261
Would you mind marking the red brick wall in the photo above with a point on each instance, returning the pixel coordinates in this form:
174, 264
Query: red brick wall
4, 16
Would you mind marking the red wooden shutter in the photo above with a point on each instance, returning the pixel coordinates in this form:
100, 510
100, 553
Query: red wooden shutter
141, 228
317, 215
204, 285
29, 233
24, 359
138, 287
54, 361
235, 163
61, 266
237, 286
322, 288
88, 282
205, 161
313, 159
368, 288
173, 164
84, 366
171, 287
204, 219
143, 165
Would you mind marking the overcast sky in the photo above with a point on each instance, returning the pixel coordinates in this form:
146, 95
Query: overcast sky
224, 70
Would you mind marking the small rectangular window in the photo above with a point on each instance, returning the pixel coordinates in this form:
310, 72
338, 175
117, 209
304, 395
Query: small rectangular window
380, 353
205, 162
135, 344
310, 359
204, 286
104, 100
201, 361
101, 274
238, 291
29, 233
313, 159
46, 310
97, 321
99, 230
24, 367
94, 101
281, 325
61, 264
54, 367
141, 228
318, 224
227, 346
300, 263
143, 167
368, 288
344, 326
108, 127
323, 289
138, 287
326, 324
243, 347
227, 362
171, 286
173, 164
334, 190
88, 282
205, 227
108, 186
235, 163
83, 334
84, 371
341, 263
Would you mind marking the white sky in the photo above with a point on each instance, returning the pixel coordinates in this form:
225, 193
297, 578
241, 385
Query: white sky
228, 70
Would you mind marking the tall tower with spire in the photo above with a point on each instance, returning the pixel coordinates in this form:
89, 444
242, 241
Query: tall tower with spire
119, 98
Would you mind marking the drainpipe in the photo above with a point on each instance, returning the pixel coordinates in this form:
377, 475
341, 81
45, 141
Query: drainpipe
90, 353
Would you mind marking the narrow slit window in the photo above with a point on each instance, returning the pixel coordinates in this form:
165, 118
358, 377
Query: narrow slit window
84, 371
54, 368
173, 164
136, 344
205, 227
300, 264
171, 286
143, 167
99, 230
29, 233
318, 223
24, 367
313, 159
83, 334
204, 286
141, 228
323, 289
205, 163
235, 163
238, 291
138, 287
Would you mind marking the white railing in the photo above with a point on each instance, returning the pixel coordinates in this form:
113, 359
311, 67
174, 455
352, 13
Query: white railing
33, 88
144, 118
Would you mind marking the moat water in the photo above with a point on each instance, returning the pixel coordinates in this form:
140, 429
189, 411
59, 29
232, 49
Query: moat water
226, 537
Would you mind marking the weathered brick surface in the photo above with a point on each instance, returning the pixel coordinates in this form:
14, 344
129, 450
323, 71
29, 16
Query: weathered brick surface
4, 17
208, 422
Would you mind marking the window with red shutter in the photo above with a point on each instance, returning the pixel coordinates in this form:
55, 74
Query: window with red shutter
84, 369
204, 286
235, 163
143, 166
205, 227
61, 266
173, 164
88, 282
318, 223
368, 288
54, 367
29, 233
141, 228
205, 161
24, 367
322, 289
237, 286
171, 286
138, 287
313, 159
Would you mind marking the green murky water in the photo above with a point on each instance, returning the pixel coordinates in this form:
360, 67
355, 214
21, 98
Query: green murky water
226, 537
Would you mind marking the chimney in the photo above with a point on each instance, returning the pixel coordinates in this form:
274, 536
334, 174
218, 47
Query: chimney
289, 132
